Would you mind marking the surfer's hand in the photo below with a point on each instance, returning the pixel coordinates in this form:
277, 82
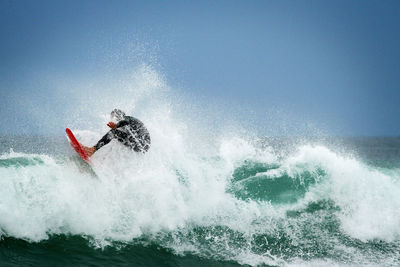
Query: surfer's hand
112, 125
89, 150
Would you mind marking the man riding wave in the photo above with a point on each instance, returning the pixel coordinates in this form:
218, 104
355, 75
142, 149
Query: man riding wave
129, 131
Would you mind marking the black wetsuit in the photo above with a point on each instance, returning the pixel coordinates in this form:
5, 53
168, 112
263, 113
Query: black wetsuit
131, 132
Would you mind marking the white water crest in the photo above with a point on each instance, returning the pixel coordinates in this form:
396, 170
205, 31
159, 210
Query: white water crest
367, 196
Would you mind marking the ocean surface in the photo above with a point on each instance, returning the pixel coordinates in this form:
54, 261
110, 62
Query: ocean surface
270, 201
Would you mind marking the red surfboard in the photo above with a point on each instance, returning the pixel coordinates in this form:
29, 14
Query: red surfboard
76, 146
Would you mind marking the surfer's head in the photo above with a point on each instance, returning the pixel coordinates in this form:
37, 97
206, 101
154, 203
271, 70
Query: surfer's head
117, 115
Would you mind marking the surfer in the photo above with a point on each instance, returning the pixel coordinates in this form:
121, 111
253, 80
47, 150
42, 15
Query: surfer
128, 130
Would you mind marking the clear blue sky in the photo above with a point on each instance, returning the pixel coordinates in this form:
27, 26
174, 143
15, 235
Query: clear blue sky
334, 64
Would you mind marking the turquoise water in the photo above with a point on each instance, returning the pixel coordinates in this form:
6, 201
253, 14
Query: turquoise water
269, 202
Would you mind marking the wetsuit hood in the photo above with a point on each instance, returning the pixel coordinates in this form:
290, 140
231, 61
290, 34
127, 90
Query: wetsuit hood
118, 114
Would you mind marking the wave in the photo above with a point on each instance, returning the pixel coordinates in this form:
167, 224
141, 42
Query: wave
204, 191
241, 204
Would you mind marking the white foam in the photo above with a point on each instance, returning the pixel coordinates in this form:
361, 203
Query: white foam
169, 189
367, 197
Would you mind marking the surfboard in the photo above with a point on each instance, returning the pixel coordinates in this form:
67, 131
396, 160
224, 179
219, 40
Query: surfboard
76, 146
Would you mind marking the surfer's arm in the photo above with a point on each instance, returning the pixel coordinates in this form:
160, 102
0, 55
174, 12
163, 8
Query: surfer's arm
122, 123
104, 140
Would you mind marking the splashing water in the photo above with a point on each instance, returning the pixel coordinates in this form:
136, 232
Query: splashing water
223, 197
